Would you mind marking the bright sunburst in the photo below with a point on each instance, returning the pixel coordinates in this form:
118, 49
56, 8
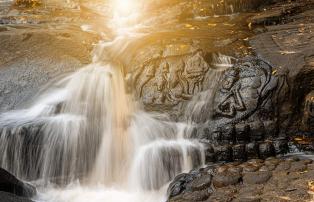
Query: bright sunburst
124, 7
126, 14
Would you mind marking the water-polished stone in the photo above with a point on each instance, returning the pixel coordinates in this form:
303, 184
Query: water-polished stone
298, 167
8, 197
196, 196
272, 161
310, 166
270, 168
256, 177
10, 184
235, 169
248, 199
226, 179
283, 166
250, 168
178, 185
222, 169
200, 183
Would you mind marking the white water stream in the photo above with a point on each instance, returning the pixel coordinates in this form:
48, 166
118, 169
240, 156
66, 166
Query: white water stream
86, 140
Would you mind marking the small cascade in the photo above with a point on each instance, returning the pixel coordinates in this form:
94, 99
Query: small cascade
62, 133
163, 152
199, 108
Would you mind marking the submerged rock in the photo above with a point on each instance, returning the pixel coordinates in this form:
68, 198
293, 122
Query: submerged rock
10, 184
8, 197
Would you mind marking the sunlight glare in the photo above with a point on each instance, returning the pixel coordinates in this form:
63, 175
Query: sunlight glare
126, 15
124, 7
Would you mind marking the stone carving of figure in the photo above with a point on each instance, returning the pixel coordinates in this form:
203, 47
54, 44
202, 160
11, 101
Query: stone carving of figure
162, 84
196, 67
148, 73
177, 82
231, 100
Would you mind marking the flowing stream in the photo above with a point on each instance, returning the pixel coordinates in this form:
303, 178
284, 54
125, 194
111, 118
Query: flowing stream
86, 139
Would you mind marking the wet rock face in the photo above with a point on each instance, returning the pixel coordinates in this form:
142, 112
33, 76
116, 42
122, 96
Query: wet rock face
25, 72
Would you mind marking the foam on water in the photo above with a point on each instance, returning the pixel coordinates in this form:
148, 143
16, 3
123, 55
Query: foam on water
78, 193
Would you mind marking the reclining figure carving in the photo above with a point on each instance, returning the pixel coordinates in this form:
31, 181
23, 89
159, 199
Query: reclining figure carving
244, 109
244, 88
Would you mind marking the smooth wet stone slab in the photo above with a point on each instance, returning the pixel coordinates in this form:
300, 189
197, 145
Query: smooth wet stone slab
258, 177
248, 199
250, 168
283, 166
298, 167
310, 166
200, 183
267, 168
196, 196
226, 179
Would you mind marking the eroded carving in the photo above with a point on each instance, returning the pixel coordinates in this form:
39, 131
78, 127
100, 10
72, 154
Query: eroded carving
168, 80
244, 89
244, 109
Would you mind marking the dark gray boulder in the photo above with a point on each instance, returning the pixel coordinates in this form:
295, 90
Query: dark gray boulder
10, 184
8, 197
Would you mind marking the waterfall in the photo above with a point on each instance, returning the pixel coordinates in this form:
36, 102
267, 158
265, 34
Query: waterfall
86, 139
85, 128
198, 110
73, 120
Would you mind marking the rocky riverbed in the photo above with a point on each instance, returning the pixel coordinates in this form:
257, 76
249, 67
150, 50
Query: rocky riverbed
273, 179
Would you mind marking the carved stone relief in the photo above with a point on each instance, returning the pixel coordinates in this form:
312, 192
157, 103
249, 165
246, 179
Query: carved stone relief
167, 80
244, 109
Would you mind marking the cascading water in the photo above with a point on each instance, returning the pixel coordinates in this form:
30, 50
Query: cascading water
63, 120
87, 135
